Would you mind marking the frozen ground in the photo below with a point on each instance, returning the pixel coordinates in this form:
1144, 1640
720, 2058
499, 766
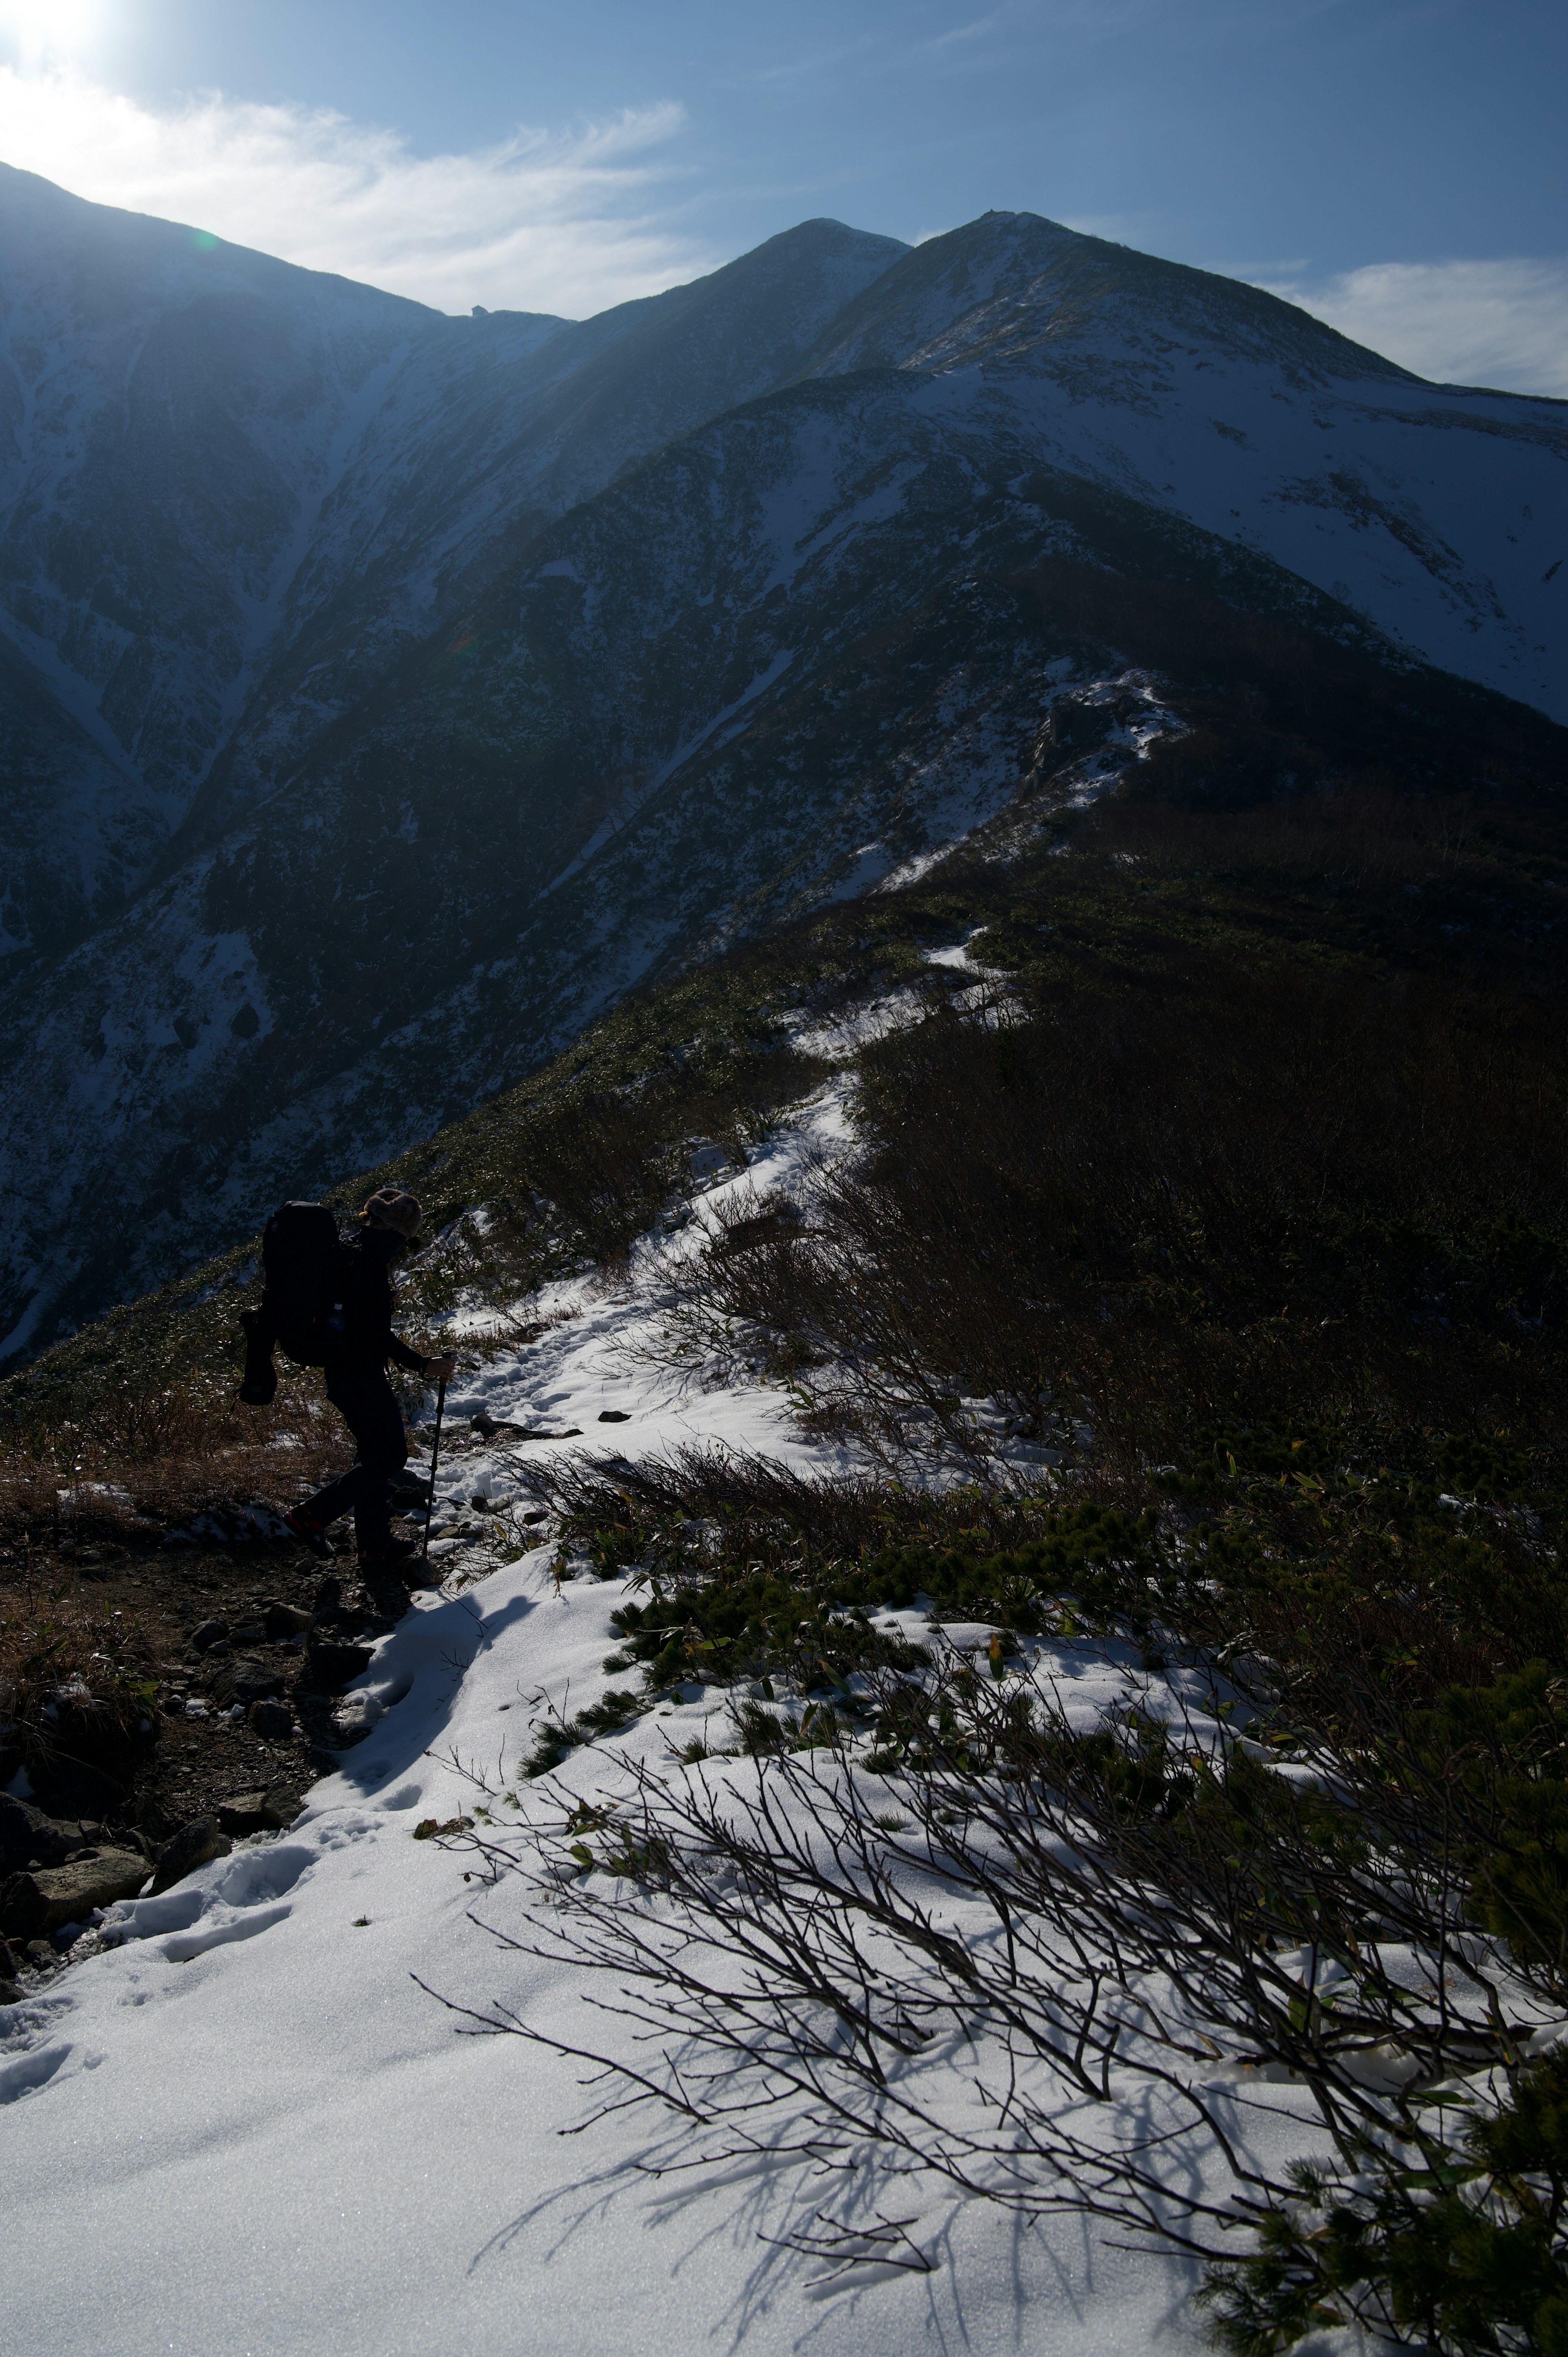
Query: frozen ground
249, 2128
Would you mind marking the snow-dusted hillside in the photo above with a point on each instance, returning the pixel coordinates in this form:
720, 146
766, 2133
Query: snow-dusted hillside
506, 659
1437, 512
250, 2106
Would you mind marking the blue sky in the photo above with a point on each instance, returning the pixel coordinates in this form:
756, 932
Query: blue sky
1401, 167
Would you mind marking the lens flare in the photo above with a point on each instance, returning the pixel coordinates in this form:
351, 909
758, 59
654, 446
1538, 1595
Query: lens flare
40, 33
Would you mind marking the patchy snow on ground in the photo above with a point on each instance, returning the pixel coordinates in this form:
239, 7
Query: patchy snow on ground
252, 2129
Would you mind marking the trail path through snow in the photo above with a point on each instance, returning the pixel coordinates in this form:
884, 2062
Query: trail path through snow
248, 2131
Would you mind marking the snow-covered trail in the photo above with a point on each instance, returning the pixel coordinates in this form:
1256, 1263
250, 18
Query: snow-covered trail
248, 2131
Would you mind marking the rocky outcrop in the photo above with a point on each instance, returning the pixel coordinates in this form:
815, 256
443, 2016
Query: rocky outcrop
29, 1837
35, 1904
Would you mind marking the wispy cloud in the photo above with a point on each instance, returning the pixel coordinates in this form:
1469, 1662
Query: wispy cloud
973, 31
566, 221
1496, 323
810, 63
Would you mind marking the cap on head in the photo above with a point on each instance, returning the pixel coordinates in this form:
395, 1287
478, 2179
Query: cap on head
390, 1207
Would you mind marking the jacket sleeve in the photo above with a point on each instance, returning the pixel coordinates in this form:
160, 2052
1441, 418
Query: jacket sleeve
399, 1351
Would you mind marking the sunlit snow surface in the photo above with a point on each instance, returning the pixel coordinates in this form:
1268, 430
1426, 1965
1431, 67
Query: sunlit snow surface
250, 2129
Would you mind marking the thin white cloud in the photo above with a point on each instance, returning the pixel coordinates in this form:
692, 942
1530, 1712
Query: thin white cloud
973, 31
1503, 324
564, 221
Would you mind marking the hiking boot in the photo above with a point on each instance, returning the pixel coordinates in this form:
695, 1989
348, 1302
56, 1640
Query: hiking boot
311, 1534
387, 1554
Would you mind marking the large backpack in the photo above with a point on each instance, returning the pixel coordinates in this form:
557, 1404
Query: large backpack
306, 1265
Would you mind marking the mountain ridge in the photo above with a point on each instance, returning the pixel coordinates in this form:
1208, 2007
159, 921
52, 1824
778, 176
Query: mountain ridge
608, 681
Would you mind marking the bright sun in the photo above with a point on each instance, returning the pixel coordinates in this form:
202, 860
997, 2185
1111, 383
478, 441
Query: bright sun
43, 31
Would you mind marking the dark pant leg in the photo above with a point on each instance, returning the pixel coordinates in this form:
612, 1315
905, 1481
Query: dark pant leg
364, 1399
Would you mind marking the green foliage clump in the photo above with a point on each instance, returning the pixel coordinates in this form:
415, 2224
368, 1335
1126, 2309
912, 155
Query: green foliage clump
559, 1736
1459, 2237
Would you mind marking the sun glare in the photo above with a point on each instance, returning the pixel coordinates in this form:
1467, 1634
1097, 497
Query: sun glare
46, 32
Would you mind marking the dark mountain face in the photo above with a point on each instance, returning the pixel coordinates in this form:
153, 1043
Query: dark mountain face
234, 493
501, 661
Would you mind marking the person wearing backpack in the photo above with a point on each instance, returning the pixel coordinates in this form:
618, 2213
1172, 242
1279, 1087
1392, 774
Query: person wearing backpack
329, 1304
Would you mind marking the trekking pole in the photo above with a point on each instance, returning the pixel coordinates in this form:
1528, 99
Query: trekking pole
434, 1461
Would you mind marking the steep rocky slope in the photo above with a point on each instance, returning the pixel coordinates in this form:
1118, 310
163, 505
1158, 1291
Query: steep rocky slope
784, 635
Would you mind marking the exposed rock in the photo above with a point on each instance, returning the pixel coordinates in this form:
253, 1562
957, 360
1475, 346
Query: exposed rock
9, 1993
274, 1720
286, 1620
246, 1679
259, 1813
254, 1632
26, 1834
193, 1845
614, 1415
9, 1967
210, 1634
328, 1667
33, 1905
285, 1800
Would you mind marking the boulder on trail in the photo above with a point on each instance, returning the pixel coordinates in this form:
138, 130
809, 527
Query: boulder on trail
33, 1905
211, 1632
265, 1812
246, 1679
193, 1845
286, 1620
274, 1721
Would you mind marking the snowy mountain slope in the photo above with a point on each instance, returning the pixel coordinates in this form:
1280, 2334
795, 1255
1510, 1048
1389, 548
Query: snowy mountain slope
76, 830
169, 410
474, 451
762, 669
1438, 512
553, 653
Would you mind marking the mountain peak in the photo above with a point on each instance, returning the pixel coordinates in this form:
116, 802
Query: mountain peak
1011, 282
